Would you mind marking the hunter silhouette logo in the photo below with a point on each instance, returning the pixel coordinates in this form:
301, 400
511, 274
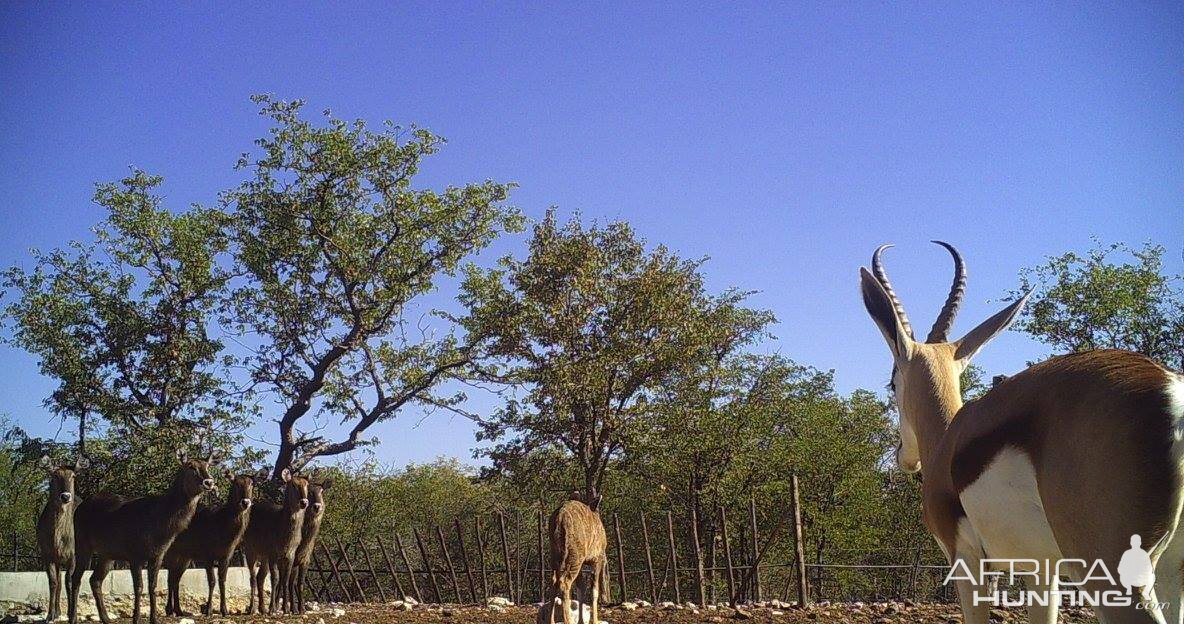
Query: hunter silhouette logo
1135, 569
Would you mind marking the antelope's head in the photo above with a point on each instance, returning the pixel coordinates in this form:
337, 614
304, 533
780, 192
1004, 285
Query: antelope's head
926, 376
242, 489
61, 480
194, 474
316, 495
295, 491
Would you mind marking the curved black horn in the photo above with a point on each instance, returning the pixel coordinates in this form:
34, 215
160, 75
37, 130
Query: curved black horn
878, 271
945, 320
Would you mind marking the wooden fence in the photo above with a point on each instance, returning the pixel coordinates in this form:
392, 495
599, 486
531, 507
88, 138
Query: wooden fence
659, 559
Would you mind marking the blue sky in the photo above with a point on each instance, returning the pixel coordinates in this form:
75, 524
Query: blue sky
785, 142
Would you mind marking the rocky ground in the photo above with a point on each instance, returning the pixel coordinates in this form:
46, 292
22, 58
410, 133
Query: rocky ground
500, 612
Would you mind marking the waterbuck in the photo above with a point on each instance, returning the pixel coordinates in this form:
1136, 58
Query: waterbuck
308, 541
138, 531
577, 538
55, 530
1076, 458
272, 536
211, 538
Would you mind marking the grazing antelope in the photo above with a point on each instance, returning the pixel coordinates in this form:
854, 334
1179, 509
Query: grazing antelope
138, 531
272, 536
55, 530
308, 541
211, 538
577, 538
1066, 460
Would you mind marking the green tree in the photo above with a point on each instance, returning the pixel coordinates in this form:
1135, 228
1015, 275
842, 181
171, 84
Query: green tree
590, 325
334, 246
123, 324
1114, 296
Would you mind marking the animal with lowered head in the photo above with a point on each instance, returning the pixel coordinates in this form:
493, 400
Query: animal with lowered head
272, 536
577, 538
138, 531
308, 541
211, 538
55, 530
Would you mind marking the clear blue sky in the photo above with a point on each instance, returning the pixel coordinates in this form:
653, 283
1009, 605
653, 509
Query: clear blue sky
785, 143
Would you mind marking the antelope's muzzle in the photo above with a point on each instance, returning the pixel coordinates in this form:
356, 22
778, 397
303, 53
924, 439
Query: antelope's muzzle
246, 503
304, 503
66, 497
208, 484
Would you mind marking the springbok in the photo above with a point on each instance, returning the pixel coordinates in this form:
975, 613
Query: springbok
1068, 459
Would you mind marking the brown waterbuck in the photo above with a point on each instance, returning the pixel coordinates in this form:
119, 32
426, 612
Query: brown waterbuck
272, 536
211, 538
138, 531
55, 530
1067, 460
577, 538
308, 541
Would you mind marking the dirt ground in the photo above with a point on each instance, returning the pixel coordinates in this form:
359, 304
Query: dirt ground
854, 613
776, 613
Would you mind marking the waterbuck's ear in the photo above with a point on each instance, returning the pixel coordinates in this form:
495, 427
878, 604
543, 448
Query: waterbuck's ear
45, 463
286, 475
228, 473
182, 456
81, 463
988, 329
327, 483
261, 476
879, 306
214, 457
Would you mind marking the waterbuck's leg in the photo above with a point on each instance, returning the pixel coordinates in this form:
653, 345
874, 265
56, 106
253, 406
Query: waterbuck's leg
223, 566
153, 573
51, 572
260, 580
137, 570
97, 575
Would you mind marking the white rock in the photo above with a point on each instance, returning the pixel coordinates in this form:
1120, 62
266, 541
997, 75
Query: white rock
497, 608
409, 600
629, 606
666, 605
186, 621
777, 612
338, 612
643, 603
498, 601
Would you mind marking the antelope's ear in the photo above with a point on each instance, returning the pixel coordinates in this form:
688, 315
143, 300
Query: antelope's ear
286, 475
182, 456
45, 463
327, 483
879, 307
969, 345
261, 476
214, 458
81, 463
228, 473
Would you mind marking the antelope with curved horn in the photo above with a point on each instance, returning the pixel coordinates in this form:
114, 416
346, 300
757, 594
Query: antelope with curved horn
1068, 459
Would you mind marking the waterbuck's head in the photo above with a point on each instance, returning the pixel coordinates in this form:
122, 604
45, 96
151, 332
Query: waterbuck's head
295, 491
61, 480
316, 495
926, 376
242, 489
193, 476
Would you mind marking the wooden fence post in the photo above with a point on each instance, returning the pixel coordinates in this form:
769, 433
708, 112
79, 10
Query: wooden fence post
723, 526
481, 558
427, 562
373, 573
698, 553
501, 523
620, 558
756, 571
410, 570
649, 560
464, 554
349, 566
336, 573
673, 556
391, 568
448, 562
542, 561
798, 543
